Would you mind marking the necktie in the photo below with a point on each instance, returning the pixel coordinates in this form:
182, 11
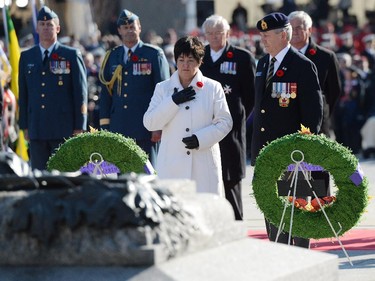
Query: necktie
45, 59
129, 55
270, 71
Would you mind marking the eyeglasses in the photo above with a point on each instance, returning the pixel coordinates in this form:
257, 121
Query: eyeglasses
215, 33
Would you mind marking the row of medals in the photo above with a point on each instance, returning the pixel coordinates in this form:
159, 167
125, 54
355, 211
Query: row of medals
142, 68
228, 67
284, 90
59, 66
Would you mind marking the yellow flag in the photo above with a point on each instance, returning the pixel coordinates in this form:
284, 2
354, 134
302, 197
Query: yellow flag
21, 148
14, 53
14, 57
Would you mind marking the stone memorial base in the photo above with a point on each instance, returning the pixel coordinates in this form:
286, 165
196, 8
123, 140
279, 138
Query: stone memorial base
216, 249
241, 260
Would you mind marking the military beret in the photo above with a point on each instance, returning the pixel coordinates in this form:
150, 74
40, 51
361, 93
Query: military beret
126, 17
46, 13
272, 21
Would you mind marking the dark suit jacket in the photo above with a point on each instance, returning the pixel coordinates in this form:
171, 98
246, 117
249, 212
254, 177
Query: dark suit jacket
52, 98
235, 71
271, 120
328, 72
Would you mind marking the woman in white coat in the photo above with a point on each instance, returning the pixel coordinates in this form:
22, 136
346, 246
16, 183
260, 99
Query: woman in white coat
192, 112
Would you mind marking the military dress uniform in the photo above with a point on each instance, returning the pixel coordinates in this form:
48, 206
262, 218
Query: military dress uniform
123, 104
52, 97
235, 70
291, 98
329, 79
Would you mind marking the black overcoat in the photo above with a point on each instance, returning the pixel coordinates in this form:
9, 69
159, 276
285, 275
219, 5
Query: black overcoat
273, 117
235, 71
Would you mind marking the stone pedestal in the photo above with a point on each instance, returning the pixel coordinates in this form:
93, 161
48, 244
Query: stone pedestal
217, 248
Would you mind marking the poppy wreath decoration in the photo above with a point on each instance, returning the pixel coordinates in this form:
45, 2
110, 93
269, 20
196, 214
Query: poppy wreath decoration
351, 195
116, 149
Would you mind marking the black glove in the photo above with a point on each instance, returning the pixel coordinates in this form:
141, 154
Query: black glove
183, 95
191, 142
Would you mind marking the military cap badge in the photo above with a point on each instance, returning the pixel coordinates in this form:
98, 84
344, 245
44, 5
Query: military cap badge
263, 25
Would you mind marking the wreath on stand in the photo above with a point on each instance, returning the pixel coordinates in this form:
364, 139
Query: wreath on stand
351, 195
113, 148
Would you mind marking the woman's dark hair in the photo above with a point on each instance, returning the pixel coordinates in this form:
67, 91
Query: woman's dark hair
189, 45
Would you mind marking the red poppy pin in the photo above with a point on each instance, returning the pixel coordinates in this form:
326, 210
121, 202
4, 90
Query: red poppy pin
280, 73
199, 84
55, 56
312, 52
134, 58
229, 55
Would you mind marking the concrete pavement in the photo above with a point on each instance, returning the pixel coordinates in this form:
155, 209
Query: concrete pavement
363, 261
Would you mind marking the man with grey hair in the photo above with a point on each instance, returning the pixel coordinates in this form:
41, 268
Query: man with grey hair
324, 60
287, 94
234, 68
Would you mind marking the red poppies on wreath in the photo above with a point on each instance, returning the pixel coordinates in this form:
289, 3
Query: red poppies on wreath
229, 55
312, 52
55, 56
134, 58
280, 73
199, 84
313, 206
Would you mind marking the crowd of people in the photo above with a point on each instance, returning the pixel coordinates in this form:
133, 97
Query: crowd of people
200, 111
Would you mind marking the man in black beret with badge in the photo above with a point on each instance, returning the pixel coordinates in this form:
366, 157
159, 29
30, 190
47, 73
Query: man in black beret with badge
287, 94
129, 74
52, 91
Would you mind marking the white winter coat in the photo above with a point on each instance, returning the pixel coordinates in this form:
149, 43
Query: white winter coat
207, 116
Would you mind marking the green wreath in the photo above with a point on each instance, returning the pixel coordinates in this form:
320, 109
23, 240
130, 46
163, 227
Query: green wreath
351, 199
116, 149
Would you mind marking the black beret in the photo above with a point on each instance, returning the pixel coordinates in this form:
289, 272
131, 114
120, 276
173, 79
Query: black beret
126, 17
46, 13
272, 21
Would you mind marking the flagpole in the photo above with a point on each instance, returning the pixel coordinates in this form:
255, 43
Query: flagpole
33, 5
5, 23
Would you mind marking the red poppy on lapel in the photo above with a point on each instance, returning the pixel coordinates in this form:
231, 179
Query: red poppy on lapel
134, 58
55, 56
199, 84
312, 52
229, 55
280, 73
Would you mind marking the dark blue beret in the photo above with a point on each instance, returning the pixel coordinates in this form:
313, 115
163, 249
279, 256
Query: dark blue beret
46, 13
126, 17
272, 21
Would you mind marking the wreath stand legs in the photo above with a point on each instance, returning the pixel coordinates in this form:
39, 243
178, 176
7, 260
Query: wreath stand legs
294, 183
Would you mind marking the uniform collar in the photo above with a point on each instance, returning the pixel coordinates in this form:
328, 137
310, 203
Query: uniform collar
50, 49
216, 55
304, 48
197, 81
280, 56
132, 48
